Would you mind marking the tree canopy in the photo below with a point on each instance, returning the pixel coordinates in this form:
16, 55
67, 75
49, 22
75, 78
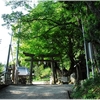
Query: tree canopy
56, 28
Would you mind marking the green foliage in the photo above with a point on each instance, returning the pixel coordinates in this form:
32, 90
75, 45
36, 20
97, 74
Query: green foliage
56, 27
1, 67
89, 90
47, 28
41, 73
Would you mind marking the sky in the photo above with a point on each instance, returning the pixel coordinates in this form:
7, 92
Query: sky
4, 33
4, 36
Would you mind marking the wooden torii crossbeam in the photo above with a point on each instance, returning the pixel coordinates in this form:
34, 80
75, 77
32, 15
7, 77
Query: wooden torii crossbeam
37, 60
48, 55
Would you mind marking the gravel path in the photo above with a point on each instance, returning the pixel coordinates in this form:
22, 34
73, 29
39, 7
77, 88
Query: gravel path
36, 92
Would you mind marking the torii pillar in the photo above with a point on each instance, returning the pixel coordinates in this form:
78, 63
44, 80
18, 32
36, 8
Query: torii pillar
31, 66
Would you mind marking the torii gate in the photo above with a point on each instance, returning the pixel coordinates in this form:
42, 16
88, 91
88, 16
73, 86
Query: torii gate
37, 60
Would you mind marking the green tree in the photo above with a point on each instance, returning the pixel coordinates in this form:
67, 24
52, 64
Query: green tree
55, 27
51, 28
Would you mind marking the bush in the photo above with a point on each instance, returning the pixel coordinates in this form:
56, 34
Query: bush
89, 90
41, 73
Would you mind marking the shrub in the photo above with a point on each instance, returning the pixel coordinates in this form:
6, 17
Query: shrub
89, 90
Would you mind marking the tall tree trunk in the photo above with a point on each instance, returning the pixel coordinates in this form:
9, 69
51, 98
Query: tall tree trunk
91, 5
71, 54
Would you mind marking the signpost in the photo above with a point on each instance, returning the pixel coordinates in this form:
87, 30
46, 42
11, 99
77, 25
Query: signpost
90, 49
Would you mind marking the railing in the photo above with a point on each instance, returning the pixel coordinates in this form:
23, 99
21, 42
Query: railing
2, 78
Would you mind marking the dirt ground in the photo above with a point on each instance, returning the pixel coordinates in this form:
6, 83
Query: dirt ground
36, 91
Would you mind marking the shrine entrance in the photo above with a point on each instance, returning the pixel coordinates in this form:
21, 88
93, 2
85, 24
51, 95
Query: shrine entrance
48, 58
